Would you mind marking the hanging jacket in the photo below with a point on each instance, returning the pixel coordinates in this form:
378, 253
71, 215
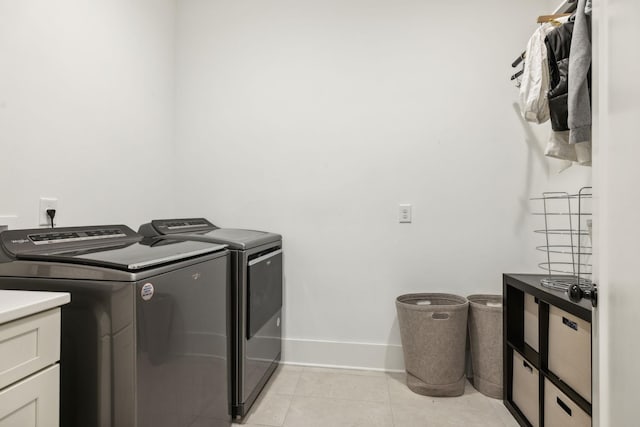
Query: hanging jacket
558, 44
579, 100
534, 86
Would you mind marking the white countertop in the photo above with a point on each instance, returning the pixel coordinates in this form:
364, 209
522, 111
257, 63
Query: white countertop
17, 304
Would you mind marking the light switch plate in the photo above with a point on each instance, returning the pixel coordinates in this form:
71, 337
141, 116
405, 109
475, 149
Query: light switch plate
404, 213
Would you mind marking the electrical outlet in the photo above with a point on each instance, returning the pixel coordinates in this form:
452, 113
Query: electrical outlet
404, 213
47, 203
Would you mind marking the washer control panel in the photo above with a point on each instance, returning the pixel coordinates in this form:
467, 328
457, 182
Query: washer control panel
16, 242
184, 225
75, 236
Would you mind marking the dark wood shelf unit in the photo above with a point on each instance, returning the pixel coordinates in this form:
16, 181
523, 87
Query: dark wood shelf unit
530, 283
515, 286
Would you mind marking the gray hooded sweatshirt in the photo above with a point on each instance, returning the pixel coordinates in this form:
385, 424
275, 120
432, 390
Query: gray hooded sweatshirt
579, 99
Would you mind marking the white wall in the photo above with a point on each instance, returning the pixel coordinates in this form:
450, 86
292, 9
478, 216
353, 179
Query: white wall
315, 119
312, 119
616, 175
86, 109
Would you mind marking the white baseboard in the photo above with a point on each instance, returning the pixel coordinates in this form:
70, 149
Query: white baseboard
335, 354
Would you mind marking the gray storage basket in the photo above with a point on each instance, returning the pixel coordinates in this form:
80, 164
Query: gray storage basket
485, 335
433, 328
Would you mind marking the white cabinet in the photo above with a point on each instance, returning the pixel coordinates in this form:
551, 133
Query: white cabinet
28, 345
29, 356
32, 402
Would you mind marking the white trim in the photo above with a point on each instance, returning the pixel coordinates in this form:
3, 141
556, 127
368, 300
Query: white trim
345, 355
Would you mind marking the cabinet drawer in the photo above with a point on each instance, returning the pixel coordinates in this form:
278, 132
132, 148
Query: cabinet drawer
29, 344
33, 402
560, 411
525, 389
531, 321
570, 350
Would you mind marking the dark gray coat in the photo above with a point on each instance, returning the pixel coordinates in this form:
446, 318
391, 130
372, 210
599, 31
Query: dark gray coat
558, 48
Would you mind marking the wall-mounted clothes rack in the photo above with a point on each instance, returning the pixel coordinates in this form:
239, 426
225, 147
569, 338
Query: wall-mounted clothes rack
564, 9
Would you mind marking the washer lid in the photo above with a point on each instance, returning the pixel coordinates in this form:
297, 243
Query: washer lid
241, 239
129, 257
203, 230
116, 247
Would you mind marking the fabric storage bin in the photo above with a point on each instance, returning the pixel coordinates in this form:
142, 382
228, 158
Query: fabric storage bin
570, 350
525, 390
560, 411
531, 321
433, 329
485, 337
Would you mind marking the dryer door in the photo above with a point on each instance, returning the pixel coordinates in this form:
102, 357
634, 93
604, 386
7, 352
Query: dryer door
264, 290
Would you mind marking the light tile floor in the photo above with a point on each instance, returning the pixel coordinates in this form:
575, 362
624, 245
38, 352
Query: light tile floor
299, 396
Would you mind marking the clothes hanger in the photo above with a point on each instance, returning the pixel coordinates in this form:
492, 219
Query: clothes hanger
519, 59
551, 18
541, 20
518, 74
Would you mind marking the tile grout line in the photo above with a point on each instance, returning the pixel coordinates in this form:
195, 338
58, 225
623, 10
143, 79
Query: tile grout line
349, 399
293, 396
286, 414
267, 391
393, 421
346, 399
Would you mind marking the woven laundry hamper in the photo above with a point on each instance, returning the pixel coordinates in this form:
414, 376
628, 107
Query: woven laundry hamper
433, 329
485, 335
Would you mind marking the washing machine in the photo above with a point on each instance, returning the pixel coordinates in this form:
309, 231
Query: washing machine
256, 305
144, 341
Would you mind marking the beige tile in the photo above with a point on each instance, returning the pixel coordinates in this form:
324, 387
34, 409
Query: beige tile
337, 398
443, 414
412, 415
399, 392
471, 409
343, 386
269, 410
283, 381
321, 412
471, 399
503, 413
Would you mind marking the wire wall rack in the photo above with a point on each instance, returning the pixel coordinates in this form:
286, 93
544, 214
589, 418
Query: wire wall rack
567, 239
